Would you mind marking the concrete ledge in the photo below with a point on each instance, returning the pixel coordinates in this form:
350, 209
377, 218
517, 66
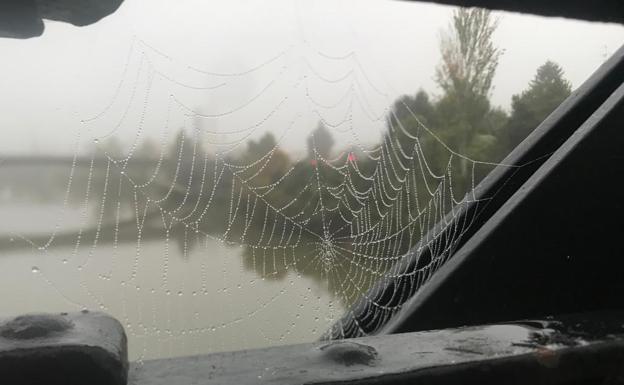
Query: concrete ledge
63, 349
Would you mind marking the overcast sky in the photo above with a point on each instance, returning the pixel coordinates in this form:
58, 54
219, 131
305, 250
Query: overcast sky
52, 83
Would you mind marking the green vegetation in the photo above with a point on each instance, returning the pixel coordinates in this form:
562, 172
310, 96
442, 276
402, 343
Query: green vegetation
546, 91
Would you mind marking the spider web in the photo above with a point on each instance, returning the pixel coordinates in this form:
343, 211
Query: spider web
215, 237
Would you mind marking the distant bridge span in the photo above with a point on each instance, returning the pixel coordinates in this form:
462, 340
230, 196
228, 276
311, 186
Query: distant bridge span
80, 161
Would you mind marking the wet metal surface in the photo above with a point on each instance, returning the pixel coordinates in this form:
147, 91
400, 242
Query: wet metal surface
541, 351
64, 349
349, 353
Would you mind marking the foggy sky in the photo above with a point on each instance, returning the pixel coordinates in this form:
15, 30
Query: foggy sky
52, 83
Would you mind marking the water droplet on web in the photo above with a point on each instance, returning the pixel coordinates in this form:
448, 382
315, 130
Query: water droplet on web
34, 269
271, 247
41, 248
64, 261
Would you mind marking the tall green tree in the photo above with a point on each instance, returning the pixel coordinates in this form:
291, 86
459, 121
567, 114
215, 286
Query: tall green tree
408, 108
465, 119
545, 92
408, 115
469, 57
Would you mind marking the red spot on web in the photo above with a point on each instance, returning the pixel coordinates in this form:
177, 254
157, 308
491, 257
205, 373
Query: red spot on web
313, 162
351, 157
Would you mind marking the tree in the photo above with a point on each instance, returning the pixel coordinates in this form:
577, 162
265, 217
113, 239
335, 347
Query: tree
149, 149
464, 117
407, 117
545, 92
320, 141
469, 57
408, 108
269, 160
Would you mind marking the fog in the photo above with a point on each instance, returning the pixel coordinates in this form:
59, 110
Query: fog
69, 74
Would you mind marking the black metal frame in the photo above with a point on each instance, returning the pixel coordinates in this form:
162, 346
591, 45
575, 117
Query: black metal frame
500, 185
578, 349
598, 10
553, 247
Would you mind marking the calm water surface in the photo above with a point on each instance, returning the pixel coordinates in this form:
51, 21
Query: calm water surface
174, 297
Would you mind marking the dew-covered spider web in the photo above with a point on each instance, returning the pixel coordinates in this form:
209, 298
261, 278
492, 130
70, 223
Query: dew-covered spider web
216, 209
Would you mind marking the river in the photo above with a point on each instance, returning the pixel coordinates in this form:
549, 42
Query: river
173, 299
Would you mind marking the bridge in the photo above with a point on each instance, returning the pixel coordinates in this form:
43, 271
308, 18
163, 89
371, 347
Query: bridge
69, 161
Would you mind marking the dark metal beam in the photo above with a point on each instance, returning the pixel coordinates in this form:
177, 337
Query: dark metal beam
600, 10
23, 18
19, 19
63, 349
554, 247
501, 184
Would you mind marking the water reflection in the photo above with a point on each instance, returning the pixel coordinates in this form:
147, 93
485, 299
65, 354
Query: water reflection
316, 225
282, 212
